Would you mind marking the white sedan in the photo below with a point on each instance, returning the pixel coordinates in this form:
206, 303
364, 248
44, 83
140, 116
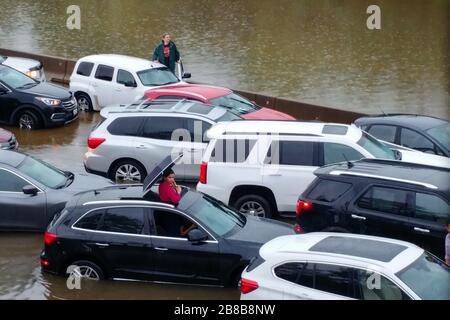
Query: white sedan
334, 266
32, 68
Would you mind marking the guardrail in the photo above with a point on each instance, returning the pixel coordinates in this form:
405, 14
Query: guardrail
58, 70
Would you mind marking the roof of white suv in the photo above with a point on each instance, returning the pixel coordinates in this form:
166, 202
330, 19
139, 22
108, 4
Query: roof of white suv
131, 63
384, 252
320, 129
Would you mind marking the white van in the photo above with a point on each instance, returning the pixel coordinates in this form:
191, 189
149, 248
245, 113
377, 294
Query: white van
261, 167
104, 79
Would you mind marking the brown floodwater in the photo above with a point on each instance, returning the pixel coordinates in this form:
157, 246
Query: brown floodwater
315, 51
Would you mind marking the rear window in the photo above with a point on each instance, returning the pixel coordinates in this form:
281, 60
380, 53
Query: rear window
128, 126
85, 68
90, 221
104, 72
328, 190
232, 150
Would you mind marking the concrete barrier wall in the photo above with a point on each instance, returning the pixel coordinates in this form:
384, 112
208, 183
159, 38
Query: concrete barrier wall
59, 70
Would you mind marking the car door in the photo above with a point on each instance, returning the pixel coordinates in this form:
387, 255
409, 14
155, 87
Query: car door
195, 147
123, 87
123, 243
20, 211
414, 140
8, 102
288, 170
370, 285
176, 258
383, 211
428, 223
162, 136
103, 85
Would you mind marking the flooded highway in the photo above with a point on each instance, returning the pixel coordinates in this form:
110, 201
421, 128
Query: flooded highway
20, 272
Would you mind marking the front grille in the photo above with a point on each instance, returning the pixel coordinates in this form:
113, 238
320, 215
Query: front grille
69, 105
12, 142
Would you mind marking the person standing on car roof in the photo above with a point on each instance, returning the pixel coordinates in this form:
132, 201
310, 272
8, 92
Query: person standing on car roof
167, 53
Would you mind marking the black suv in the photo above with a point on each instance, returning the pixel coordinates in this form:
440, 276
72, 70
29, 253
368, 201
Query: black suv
31, 104
127, 232
379, 197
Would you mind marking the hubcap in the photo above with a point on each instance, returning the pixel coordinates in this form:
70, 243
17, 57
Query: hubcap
252, 208
26, 121
83, 103
128, 173
87, 273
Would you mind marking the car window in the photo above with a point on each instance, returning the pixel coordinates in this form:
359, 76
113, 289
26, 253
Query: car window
10, 182
414, 140
441, 134
373, 286
125, 77
197, 129
126, 126
104, 72
336, 152
123, 220
44, 173
386, 200
289, 271
157, 77
431, 207
171, 224
328, 190
85, 68
294, 153
165, 128
375, 147
334, 279
90, 221
232, 150
15, 79
383, 132
234, 102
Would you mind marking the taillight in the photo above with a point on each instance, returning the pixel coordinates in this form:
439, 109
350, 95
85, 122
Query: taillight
95, 142
49, 238
248, 286
45, 263
203, 170
298, 228
303, 206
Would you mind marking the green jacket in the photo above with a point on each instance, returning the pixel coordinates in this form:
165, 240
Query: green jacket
174, 56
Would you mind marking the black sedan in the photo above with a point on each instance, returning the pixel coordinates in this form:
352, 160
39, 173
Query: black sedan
419, 132
32, 191
119, 232
31, 104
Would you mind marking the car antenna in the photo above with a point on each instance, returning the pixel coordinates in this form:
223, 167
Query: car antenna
349, 163
382, 111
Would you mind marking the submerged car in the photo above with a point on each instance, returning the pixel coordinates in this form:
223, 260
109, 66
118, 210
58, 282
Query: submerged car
32, 191
30, 67
126, 232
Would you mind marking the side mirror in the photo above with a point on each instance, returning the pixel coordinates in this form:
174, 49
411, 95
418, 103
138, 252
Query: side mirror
186, 75
31, 190
130, 84
3, 90
196, 235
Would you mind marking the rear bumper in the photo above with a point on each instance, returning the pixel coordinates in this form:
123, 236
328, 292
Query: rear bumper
98, 173
48, 265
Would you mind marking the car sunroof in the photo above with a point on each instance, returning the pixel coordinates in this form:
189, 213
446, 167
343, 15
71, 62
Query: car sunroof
332, 129
200, 109
363, 248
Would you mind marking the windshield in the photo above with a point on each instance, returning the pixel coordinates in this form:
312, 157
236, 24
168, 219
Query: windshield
228, 116
15, 79
441, 134
428, 277
215, 215
376, 148
2, 58
157, 77
235, 102
43, 173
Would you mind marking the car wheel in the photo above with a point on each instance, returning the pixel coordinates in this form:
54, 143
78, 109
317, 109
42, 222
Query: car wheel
254, 205
128, 171
84, 102
88, 270
29, 120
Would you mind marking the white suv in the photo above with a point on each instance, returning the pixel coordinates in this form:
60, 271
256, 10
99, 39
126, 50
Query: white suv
261, 167
339, 266
104, 79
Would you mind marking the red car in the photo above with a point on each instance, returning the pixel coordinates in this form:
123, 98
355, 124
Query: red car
218, 96
8, 140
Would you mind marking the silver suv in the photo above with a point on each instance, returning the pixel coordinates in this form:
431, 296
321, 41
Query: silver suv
132, 140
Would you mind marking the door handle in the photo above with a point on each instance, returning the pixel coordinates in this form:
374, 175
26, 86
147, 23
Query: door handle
94, 85
141, 147
275, 174
118, 89
161, 249
102, 244
421, 230
354, 216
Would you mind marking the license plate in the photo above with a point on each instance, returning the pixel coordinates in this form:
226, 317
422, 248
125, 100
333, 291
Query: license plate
75, 111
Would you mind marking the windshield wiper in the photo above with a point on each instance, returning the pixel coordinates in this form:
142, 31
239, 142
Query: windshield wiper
27, 85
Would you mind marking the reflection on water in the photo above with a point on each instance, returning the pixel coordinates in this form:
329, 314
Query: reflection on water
316, 51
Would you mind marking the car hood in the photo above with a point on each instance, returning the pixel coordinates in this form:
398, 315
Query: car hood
5, 135
261, 230
425, 158
21, 64
85, 181
267, 114
48, 90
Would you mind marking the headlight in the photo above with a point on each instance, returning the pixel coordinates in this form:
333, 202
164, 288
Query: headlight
33, 74
49, 102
